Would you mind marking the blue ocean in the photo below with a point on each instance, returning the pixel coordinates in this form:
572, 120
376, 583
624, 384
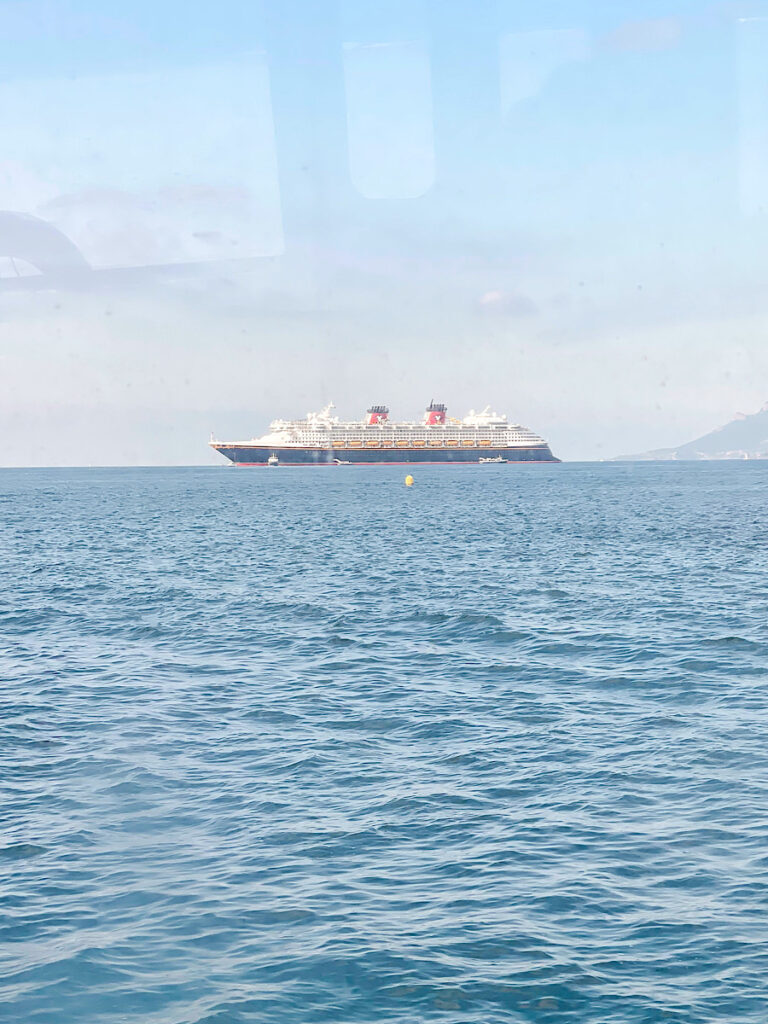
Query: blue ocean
308, 746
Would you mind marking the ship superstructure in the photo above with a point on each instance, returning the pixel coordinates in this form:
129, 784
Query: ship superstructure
323, 439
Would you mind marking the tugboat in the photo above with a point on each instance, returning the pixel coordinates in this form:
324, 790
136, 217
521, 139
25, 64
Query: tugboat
273, 461
497, 459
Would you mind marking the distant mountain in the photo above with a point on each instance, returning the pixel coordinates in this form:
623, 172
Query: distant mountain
746, 437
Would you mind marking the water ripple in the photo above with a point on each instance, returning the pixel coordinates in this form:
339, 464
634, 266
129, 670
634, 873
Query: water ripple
492, 749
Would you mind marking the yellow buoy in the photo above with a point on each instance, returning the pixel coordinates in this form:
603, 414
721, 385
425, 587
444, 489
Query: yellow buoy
409, 481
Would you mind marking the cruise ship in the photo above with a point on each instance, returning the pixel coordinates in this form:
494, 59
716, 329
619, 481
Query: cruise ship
323, 440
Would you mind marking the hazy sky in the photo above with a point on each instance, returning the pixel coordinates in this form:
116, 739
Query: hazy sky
245, 210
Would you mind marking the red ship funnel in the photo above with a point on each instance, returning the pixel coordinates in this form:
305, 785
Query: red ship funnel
435, 414
377, 414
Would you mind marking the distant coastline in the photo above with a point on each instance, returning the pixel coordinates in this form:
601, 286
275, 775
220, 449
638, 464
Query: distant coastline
744, 438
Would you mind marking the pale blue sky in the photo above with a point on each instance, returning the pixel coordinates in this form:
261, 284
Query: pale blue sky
559, 208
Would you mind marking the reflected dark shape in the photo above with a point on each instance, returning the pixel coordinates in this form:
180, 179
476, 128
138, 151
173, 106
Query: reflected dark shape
331, 232
29, 238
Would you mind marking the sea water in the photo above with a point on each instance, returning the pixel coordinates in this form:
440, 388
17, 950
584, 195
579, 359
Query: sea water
306, 745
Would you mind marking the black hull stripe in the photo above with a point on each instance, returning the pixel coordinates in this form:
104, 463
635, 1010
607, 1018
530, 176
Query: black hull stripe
253, 456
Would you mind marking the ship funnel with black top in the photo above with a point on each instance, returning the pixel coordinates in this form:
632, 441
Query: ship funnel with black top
377, 414
435, 414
